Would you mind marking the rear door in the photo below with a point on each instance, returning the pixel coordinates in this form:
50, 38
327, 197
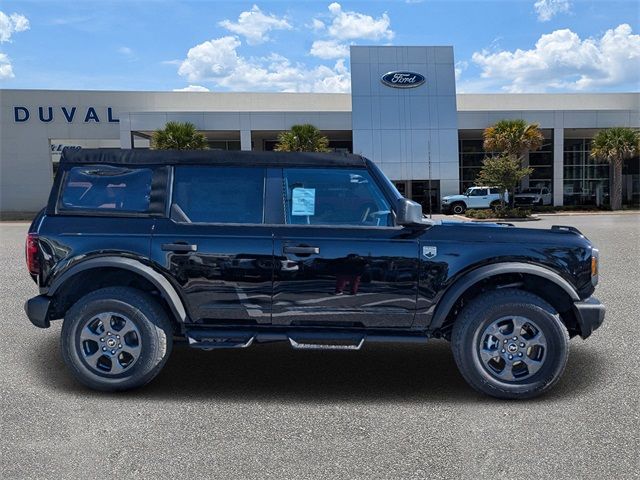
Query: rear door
339, 259
216, 244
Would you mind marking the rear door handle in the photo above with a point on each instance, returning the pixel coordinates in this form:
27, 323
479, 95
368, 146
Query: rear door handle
302, 250
179, 247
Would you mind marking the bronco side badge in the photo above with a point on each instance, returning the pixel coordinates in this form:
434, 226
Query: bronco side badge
429, 252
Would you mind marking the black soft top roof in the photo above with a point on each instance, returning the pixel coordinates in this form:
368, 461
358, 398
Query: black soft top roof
210, 157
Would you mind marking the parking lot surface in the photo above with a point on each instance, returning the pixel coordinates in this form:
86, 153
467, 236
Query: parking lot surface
270, 412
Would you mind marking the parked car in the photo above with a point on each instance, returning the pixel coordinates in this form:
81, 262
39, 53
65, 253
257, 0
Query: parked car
139, 248
533, 196
474, 197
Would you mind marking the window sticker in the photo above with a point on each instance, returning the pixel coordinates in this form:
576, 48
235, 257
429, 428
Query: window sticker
303, 201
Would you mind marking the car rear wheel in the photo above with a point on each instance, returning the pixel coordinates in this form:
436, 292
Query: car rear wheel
116, 338
510, 343
458, 208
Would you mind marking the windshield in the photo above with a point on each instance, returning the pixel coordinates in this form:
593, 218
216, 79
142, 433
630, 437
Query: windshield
530, 190
475, 192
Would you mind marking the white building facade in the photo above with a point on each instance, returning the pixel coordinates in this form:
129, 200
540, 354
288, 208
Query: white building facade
403, 113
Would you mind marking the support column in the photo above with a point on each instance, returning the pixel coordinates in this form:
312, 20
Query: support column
558, 166
125, 131
245, 139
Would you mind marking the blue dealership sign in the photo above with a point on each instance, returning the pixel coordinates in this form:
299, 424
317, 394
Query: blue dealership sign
21, 114
401, 79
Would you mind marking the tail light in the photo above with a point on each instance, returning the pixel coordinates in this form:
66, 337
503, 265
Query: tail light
31, 249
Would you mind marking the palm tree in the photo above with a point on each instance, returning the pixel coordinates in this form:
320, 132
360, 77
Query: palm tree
178, 136
302, 138
515, 139
615, 145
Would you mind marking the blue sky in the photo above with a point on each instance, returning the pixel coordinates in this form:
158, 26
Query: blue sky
500, 46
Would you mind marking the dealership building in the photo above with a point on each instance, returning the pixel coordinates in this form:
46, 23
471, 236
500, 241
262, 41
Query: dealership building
403, 113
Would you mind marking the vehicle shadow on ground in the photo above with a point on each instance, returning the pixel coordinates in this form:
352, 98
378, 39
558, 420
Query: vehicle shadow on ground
276, 373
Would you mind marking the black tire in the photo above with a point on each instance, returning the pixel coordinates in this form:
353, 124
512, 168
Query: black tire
458, 208
149, 334
495, 204
469, 337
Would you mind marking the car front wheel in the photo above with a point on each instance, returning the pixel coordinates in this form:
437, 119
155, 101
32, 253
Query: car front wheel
458, 208
116, 338
509, 343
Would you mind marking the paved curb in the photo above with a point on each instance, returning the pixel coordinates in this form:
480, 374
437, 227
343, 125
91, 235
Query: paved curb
618, 212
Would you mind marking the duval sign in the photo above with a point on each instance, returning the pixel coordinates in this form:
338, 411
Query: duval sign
68, 114
403, 79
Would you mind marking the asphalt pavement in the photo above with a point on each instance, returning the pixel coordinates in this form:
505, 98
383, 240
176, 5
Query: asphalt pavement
270, 412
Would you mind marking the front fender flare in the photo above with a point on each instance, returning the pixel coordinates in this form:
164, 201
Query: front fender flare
163, 285
455, 291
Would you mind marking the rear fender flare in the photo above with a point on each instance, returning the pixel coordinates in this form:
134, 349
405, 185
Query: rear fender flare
166, 289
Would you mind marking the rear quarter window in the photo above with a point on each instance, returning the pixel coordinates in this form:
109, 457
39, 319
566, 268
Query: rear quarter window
106, 189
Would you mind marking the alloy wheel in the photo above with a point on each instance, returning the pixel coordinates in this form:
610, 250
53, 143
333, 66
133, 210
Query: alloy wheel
512, 348
109, 343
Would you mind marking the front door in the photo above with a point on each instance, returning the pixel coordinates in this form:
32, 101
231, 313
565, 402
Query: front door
478, 198
216, 244
339, 261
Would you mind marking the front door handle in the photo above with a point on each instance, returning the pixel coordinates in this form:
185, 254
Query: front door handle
179, 247
302, 250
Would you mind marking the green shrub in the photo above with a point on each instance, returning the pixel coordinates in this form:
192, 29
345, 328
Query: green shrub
481, 214
498, 213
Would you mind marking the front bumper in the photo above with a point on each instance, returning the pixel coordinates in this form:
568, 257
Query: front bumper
590, 315
37, 309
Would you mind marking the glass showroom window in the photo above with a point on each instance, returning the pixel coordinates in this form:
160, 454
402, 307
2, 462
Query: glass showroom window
471, 155
586, 181
542, 163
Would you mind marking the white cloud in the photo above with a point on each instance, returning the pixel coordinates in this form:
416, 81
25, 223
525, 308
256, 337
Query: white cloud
254, 25
562, 61
547, 9
317, 25
327, 49
210, 59
126, 51
353, 25
6, 70
192, 88
10, 24
345, 25
217, 61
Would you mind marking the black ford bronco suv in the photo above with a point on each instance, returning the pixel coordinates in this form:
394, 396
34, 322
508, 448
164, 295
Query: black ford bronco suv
137, 249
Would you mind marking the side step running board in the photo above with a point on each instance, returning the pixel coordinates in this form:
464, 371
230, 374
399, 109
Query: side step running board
319, 346
211, 340
217, 338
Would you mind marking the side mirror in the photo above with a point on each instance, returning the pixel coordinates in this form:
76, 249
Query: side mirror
409, 214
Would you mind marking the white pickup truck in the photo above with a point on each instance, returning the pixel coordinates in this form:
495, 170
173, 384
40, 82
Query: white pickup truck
474, 197
533, 196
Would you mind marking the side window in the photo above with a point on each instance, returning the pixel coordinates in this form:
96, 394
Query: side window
494, 191
337, 196
218, 194
106, 188
478, 192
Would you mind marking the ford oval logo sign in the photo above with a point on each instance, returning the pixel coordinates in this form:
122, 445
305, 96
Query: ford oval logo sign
403, 79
